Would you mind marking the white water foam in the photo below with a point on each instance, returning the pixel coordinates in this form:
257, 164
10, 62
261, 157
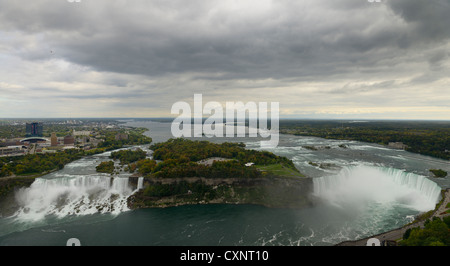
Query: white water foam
360, 185
73, 195
140, 184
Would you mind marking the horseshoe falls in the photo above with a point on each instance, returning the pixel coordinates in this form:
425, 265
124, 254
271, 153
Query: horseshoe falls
362, 185
362, 190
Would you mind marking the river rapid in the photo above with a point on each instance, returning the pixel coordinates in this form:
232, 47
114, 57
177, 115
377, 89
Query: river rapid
362, 189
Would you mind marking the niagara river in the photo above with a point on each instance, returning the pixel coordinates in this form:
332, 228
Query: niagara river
361, 189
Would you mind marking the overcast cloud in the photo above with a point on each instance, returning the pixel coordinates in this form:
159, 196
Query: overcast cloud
318, 58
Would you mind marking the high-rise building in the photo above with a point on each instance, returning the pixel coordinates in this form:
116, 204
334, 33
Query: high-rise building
34, 129
69, 140
54, 140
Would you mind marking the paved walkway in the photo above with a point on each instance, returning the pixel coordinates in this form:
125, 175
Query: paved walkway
397, 234
210, 161
441, 212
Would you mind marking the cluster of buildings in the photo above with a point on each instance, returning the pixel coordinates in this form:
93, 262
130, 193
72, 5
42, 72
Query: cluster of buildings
36, 143
78, 139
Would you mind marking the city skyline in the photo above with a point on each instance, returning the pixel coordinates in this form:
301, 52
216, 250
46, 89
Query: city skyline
345, 59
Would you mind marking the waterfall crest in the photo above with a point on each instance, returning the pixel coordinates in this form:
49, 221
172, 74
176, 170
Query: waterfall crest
73, 195
362, 184
140, 183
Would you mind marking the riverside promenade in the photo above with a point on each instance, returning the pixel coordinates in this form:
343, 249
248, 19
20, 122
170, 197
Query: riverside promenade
391, 237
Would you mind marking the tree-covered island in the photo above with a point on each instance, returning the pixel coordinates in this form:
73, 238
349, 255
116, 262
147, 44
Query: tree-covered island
190, 172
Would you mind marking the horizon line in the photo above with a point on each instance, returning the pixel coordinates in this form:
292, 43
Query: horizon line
281, 118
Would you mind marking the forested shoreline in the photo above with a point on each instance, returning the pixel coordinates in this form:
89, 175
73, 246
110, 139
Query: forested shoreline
430, 138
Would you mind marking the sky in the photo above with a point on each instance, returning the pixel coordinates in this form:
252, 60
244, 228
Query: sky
337, 59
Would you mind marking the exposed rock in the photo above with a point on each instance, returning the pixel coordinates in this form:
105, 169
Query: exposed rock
270, 192
8, 187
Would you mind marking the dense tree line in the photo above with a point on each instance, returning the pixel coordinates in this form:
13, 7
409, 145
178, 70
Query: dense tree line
128, 156
144, 166
133, 159
12, 131
37, 163
439, 172
105, 167
221, 169
180, 157
184, 150
424, 137
135, 136
436, 232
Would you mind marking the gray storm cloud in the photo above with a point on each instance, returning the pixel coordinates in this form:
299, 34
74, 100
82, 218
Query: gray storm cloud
158, 47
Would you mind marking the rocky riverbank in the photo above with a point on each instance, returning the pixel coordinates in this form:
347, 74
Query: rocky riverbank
8, 185
268, 191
